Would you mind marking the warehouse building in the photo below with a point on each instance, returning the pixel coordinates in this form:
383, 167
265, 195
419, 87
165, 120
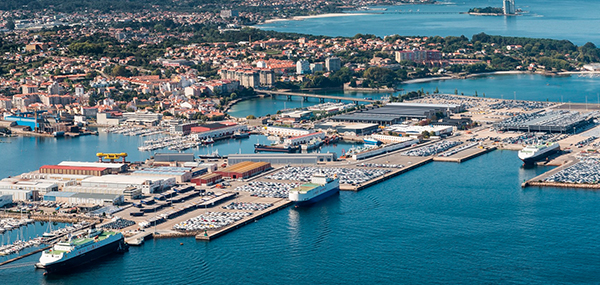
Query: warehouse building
208, 179
114, 167
180, 174
172, 159
359, 129
217, 130
75, 170
117, 184
244, 169
20, 194
394, 113
417, 130
5, 200
286, 132
85, 198
26, 190
304, 138
56, 177
291, 158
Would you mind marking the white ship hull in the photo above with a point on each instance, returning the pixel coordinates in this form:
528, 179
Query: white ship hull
531, 154
314, 195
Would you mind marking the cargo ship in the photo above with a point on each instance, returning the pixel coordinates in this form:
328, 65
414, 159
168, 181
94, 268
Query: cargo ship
66, 255
276, 148
320, 188
533, 153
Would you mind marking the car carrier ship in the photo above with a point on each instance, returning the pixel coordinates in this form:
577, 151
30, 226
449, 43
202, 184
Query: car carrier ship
533, 153
320, 188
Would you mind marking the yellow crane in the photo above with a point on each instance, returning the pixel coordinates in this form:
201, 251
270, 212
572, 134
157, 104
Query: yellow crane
111, 156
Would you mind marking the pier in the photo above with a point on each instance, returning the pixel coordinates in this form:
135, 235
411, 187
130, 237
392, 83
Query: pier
24, 255
207, 236
465, 155
139, 239
322, 98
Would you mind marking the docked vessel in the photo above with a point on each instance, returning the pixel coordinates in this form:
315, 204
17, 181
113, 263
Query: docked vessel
532, 153
65, 255
276, 148
371, 141
312, 144
241, 135
213, 155
320, 188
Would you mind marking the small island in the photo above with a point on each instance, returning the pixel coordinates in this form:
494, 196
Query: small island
487, 11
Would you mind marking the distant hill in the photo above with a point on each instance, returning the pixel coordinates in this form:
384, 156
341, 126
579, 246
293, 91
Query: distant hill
104, 5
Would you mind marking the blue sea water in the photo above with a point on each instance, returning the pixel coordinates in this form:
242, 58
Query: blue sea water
442, 223
24, 154
574, 20
534, 87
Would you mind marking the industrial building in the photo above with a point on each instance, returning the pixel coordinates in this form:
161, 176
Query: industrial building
38, 186
208, 179
76, 170
291, 158
5, 200
359, 129
244, 169
560, 121
417, 130
391, 139
394, 113
117, 184
172, 158
286, 132
114, 167
180, 174
85, 198
217, 130
304, 138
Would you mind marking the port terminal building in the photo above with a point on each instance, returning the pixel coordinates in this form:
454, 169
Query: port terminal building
217, 130
244, 169
286, 132
291, 158
394, 113
359, 129
304, 138
85, 198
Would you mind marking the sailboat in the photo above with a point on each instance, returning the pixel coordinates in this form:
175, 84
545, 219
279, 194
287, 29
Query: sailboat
49, 233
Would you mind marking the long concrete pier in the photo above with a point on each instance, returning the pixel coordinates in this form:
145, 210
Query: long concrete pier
255, 216
465, 155
24, 255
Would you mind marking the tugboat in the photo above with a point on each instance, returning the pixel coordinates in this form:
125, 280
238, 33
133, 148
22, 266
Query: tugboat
208, 141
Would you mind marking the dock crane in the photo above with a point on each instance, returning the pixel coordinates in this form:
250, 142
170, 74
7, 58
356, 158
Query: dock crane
111, 156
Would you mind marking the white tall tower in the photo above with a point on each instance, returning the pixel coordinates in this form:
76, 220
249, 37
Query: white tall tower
508, 6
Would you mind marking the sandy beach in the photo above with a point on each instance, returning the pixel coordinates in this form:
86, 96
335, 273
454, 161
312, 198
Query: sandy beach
421, 80
330, 15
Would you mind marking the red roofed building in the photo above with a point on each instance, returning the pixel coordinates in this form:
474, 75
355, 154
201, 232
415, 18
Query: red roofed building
74, 170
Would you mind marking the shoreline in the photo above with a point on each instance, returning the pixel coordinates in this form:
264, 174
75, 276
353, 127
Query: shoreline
301, 18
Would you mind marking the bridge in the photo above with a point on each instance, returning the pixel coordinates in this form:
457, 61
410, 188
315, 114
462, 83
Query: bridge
322, 98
